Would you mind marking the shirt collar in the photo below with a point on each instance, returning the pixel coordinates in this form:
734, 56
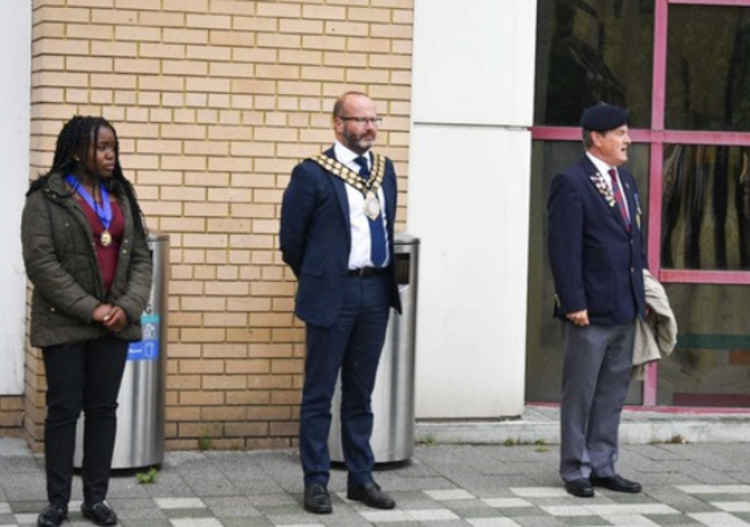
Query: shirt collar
346, 156
601, 166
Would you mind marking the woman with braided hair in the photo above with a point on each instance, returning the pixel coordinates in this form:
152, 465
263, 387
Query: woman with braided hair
84, 246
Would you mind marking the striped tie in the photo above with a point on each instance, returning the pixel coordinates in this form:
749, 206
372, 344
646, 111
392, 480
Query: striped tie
619, 198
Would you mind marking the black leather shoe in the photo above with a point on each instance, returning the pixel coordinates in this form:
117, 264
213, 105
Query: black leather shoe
52, 516
371, 495
580, 487
616, 483
317, 499
100, 513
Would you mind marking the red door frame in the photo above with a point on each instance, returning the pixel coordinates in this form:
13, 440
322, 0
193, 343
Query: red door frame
656, 136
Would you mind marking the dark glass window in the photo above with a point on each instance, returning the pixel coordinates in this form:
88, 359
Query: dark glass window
544, 333
590, 51
708, 68
706, 207
711, 364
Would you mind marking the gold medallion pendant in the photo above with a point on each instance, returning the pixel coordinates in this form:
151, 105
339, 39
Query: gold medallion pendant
105, 238
372, 205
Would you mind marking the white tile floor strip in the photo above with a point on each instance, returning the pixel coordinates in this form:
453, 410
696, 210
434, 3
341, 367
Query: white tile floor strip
422, 515
180, 503
718, 519
492, 522
26, 518
609, 510
426, 515
714, 489
385, 516
539, 492
449, 494
634, 520
566, 510
732, 506
504, 503
300, 525
631, 508
195, 522
4, 508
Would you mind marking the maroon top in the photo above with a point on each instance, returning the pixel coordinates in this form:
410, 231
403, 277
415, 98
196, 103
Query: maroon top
107, 256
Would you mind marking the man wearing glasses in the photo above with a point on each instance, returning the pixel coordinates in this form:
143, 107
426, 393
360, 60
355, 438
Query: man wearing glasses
336, 235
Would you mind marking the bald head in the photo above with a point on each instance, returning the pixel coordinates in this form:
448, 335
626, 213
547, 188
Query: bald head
338, 107
355, 121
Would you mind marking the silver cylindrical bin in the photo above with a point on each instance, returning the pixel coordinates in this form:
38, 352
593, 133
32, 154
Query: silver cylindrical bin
393, 396
139, 441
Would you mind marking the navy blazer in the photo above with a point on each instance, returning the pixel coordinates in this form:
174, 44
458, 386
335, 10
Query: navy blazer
597, 264
316, 240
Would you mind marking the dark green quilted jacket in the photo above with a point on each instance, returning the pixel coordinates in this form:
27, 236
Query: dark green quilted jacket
60, 258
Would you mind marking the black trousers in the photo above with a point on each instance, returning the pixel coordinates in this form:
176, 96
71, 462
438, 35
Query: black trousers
81, 376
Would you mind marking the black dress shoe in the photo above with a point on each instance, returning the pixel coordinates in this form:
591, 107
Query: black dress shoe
617, 483
580, 487
52, 516
371, 495
317, 499
100, 513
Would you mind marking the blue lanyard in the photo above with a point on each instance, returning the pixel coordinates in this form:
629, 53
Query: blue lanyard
105, 212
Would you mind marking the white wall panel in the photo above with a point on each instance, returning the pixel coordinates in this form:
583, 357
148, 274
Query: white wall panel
469, 207
469, 169
474, 61
15, 63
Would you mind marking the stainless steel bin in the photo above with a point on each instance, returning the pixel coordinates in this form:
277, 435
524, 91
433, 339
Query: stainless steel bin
393, 396
139, 441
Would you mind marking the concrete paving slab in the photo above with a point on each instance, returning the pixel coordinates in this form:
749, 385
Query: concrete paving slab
540, 423
685, 485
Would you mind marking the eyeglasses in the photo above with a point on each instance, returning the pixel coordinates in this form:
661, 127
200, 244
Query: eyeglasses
362, 120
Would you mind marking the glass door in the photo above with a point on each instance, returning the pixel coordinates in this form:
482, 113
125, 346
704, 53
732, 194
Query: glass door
683, 69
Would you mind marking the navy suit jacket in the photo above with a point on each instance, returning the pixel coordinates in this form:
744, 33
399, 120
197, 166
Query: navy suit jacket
316, 240
596, 262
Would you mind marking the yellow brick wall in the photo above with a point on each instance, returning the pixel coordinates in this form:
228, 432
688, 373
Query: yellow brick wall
11, 415
214, 102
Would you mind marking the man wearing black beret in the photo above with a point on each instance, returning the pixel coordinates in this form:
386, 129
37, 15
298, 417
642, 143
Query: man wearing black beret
597, 258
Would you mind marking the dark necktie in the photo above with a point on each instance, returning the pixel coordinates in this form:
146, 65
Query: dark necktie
619, 198
377, 229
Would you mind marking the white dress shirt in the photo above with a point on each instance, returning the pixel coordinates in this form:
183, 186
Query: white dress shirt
603, 168
359, 255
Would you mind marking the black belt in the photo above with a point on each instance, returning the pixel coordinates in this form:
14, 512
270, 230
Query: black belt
366, 271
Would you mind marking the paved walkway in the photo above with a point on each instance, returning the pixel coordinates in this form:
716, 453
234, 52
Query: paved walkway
685, 485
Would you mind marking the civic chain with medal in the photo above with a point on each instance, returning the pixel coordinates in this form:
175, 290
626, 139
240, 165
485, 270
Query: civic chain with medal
369, 188
104, 213
372, 205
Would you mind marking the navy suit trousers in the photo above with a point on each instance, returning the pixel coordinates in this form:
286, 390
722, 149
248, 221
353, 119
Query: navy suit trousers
353, 345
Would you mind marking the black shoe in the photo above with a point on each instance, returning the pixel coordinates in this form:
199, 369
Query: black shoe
371, 495
580, 487
100, 513
317, 499
617, 483
52, 516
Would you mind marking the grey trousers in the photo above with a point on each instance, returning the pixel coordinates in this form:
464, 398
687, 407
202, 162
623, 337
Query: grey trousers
596, 374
